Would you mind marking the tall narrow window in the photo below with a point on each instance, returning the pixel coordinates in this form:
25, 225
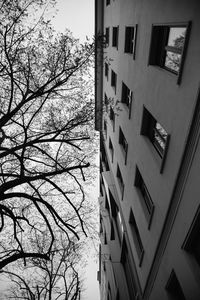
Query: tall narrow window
123, 143
168, 47
156, 134
105, 128
130, 39
107, 36
120, 180
115, 34
146, 200
106, 70
136, 238
114, 80
112, 116
126, 95
106, 102
173, 288
126, 262
111, 149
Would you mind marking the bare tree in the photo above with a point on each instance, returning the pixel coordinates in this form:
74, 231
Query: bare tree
46, 112
55, 279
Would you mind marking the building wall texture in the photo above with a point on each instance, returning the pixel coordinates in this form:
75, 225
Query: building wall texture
149, 248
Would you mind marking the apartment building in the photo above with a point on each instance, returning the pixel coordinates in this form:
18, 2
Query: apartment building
147, 93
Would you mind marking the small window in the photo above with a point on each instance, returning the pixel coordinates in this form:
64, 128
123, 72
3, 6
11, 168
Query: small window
130, 39
192, 241
114, 80
115, 34
173, 288
112, 116
168, 46
106, 101
146, 200
107, 36
107, 2
105, 128
126, 97
127, 266
111, 149
123, 143
120, 180
136, 238
156, 134
106, 70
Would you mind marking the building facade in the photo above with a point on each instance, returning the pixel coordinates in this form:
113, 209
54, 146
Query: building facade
147, 93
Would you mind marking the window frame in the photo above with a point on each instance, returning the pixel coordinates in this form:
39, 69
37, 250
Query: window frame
107, 36
149, 130
112, 117
114, 80
106, 70
115, 36
120, 180
123, 143
158, 46
111, 149
126, 97
136, 237
145, 200
132, 45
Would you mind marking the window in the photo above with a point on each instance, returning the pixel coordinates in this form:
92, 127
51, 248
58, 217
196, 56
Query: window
112, 116
173, 288
136, 238
107, 2
192, 241
156, 134
168, 47
105, 128
126, 262
114, 80
111, 149
103, 155
126, 95
116, 216
107, 36
123, 143
115, 34
130, 39
106, 70
146, 201
106, 102
120, 180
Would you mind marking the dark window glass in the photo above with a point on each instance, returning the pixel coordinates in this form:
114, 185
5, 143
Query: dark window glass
107, 35
122, 141
136, 237
114, 80
106, 70
129, 273
120, 179
126, 95
111, 149
115, 36
147, 202
129, 39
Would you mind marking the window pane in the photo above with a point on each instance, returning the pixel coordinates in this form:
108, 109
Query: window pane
172, 61
176, 37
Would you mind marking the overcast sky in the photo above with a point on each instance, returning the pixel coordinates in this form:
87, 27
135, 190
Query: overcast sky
78, 16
